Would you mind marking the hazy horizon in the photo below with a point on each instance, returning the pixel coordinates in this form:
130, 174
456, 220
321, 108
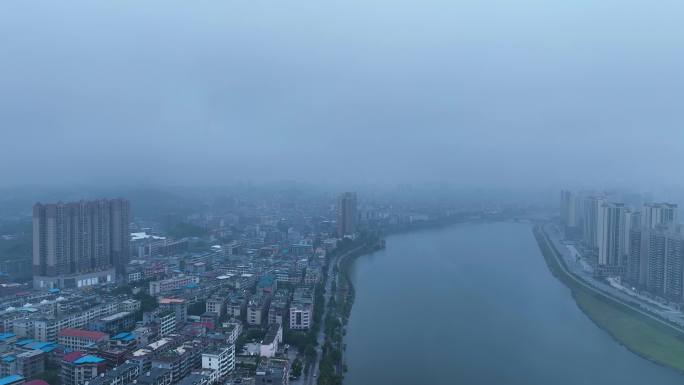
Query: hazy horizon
496, 95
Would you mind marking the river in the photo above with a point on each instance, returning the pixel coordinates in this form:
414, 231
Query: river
475, 304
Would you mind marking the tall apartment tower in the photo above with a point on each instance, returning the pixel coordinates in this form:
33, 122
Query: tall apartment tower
571, 214
613, 240
80, 243
120, 233
592, 207
654, 217
654, 214
346, 214
664, 259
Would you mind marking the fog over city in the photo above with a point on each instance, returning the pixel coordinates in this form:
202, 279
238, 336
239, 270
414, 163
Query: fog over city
341, 192
488, 93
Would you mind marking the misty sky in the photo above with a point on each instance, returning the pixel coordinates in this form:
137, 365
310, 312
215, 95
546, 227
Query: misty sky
478, 93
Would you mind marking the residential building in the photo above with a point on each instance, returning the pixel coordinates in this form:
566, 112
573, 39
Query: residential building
301, 315
115, 323
195, 379
257, 309
273, 372
124, 374
77, 339
346, 214
216, 304
664, 257
81, 243
178, 306
29, 363
130, 305
571, 213
220, 359
591, 210
155, 376
77, 368
655, 214
13, 379
167, 322
613, 228
271, 342
180, 360
175, 283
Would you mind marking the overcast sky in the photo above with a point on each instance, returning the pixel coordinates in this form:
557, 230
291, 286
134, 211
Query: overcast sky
478, 93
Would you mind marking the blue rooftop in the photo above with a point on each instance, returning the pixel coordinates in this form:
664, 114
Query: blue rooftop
88, 360
24, 342
191, 285
9, 358
54, 291
44, 346
11, 379
5, 336
125, 336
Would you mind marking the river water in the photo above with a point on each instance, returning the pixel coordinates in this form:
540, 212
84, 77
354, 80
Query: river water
475, 304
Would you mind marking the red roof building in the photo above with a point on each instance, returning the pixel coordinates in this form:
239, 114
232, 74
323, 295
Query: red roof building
78, 339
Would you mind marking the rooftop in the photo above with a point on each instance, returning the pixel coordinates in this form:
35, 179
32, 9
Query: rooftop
167, 301
87, 334
11, 379
124, 336
116, 316
80, 358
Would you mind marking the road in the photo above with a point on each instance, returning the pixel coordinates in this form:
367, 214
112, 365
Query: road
579, 275
312, 375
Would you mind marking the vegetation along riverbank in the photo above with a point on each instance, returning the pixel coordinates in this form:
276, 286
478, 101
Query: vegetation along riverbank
638, 333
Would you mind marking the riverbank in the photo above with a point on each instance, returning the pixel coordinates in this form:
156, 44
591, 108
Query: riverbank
341, 297
638, 333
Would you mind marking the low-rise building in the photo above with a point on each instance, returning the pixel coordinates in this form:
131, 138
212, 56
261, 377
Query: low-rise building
13, 379
175, 283
167, 323
155, 376
77, 368
181, 360
29, 363
301, 310
273, 372
115, 323
77, 339
195, 379
217, 305
130, 305
271, 341
123, 374
219, 359
257, 309
177, 305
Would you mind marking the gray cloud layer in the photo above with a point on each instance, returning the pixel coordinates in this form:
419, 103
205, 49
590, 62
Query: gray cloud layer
490, 93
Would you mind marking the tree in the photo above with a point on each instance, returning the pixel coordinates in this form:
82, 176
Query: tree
197, 308
184, 230
297, 367
147, 302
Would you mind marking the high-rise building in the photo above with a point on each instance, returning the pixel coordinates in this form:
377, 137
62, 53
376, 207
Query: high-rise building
80, 243
648, 246
571, 214
613, 225
591, 207
637, 266
654, 214
346, 214
664, 263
